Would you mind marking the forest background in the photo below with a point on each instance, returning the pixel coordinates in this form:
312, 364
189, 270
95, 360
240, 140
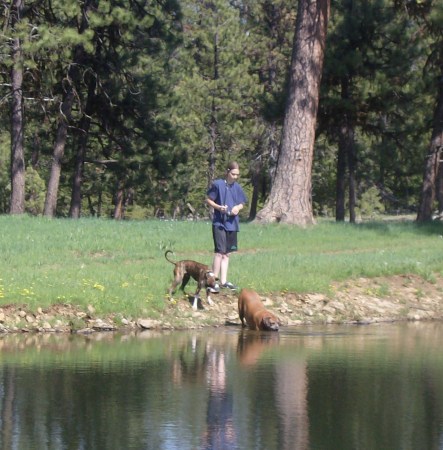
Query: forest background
129, 109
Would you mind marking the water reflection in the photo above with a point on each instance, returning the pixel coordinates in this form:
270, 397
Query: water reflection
306, 387
220, 429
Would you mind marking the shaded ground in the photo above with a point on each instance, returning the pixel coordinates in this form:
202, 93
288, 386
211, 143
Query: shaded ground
406, 297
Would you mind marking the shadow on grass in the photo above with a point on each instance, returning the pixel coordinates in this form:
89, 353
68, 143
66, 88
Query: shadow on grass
387, 227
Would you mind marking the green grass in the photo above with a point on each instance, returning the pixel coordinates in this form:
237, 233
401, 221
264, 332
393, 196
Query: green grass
120, 266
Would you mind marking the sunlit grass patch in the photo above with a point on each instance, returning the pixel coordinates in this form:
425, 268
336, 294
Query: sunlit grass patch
119, 267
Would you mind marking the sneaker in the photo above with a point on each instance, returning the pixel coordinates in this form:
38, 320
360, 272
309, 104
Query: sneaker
229, 285
215, 289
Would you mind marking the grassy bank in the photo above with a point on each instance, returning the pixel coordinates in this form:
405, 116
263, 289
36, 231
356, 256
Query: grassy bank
120, 266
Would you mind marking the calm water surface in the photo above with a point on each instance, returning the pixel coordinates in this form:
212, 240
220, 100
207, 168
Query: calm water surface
331, 387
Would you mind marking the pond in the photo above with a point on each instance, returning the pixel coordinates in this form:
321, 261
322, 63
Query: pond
307, 387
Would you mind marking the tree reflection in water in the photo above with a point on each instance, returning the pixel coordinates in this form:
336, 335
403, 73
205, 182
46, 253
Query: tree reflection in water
334, 387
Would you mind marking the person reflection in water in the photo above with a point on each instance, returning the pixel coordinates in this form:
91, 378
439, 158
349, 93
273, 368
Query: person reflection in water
220, 432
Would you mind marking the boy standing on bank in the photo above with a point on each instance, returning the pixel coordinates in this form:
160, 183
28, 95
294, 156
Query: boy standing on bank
227, 199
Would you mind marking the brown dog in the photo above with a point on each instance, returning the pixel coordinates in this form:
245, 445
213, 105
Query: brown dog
186, 269
251, 309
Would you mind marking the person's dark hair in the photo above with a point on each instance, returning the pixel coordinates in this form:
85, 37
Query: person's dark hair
232, 165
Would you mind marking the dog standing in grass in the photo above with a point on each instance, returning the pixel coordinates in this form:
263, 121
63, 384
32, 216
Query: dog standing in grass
184, 270
252, 311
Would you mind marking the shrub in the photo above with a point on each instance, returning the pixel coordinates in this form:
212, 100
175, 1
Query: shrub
370, 204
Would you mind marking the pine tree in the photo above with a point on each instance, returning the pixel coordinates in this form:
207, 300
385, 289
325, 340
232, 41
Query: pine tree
216, 94
370, 106
98, 60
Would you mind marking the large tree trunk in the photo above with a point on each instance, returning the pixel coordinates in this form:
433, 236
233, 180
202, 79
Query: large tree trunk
290, 199
427, 196
17, 205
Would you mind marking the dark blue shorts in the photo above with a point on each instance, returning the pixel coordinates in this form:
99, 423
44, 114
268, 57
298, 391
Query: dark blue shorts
224, 241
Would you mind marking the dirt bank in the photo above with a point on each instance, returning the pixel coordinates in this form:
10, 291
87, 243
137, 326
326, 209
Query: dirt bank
406, 297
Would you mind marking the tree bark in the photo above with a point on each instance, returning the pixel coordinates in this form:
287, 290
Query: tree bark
439, 189
340, 189
72, 82
58, 153
17, 204
290, 200
76, 194
352, 164
346, 158
432, 162
119, 201
85, 123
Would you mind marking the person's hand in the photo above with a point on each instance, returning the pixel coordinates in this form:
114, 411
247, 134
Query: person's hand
235, 210
224, 208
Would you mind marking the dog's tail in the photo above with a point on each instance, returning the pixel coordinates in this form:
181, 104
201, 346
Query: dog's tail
166, 256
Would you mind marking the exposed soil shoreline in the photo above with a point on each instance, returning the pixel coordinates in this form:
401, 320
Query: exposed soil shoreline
360, 301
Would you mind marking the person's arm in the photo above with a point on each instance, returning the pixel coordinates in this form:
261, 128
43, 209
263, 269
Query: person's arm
240, 197
221, 208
